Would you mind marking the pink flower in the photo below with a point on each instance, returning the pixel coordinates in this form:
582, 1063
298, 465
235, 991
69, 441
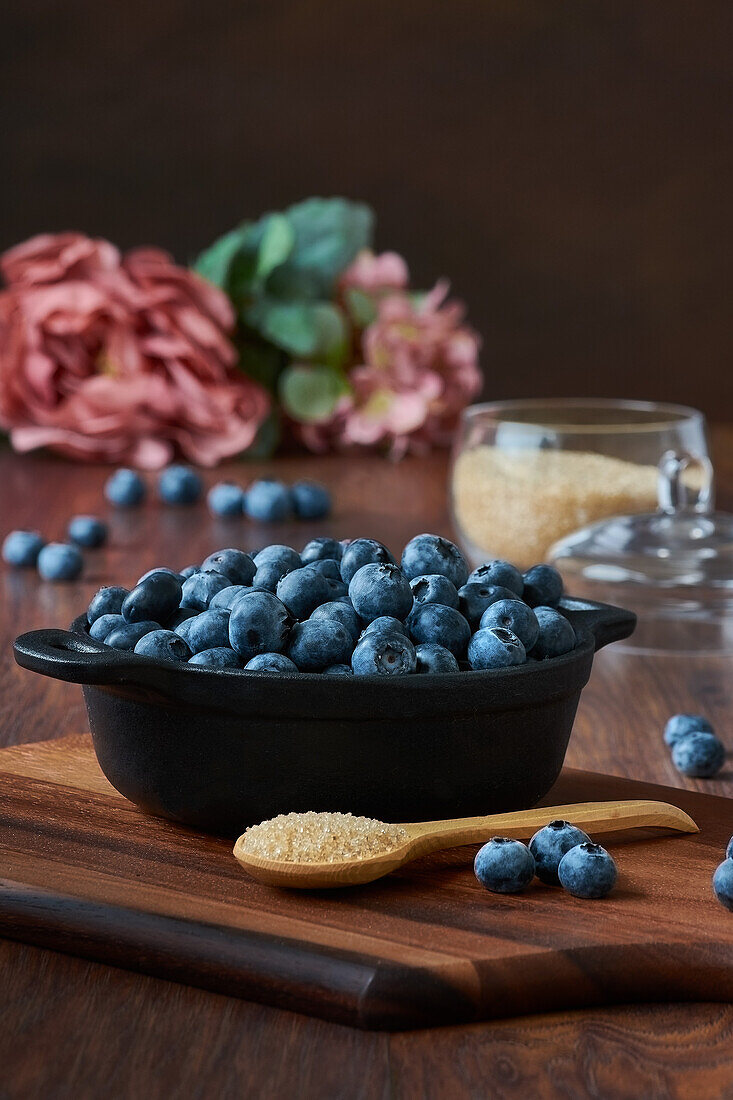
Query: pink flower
420, 369
119, 358
374, 274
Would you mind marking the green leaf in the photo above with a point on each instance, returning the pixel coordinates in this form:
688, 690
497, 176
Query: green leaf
276, 245
267, 439
306, 330
333, 334
328, 235
360, 306
214, 263
260, 361
310, 393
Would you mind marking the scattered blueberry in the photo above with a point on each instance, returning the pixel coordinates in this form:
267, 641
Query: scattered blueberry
556, 635
378, 654
680, 725
723, 883
310, 500
513, 615
362, 552
155, 597
433, 554
267, 501
87, 531
208, 630
164, 645
698, 754
125, 489
107, 601
434, 588
498, 573
127, 636
504, 866
341, 612
495, 647
234, 564
270, 662
550, 844
179, 485
475, 597
320, 548
381, 589
434, 658
385, 624
729, 849
21, 548
339, 670
58, 561
302, 591
259, 623
542, 586
104, 625
587, 871
318, 643
219, 657
434, 622
225, 499
199, 589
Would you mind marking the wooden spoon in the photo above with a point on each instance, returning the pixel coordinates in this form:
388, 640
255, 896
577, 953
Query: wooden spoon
432, 836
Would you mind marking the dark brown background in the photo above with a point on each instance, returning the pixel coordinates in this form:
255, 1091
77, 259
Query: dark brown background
567, 162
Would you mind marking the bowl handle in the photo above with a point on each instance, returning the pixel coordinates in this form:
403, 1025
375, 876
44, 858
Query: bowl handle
75, 658
605, 622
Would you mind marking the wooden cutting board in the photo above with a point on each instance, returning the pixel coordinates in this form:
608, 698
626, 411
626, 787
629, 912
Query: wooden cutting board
83, 871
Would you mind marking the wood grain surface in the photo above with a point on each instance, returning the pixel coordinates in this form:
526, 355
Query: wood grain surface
153, 1036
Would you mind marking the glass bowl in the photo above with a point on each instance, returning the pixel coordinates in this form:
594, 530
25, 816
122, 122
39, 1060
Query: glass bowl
525, 474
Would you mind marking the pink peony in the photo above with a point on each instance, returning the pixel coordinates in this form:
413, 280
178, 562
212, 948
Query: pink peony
374, 274
420, 369
123, 359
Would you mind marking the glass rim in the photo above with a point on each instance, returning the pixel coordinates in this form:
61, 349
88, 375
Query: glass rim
669, 414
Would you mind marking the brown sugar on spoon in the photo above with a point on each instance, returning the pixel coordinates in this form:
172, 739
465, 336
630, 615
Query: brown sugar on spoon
321, 838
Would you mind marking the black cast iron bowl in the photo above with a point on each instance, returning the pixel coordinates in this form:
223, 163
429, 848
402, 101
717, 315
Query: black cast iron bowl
221, 750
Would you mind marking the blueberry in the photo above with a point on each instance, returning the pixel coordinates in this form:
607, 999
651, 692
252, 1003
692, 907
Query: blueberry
21, 548
318, 643
259, 623
161, 569
285, 556
542, 586
107, 601
58, 561
513, 615
698, 754
234, 564
310, 500
475, 597
270, 662
556, 635
340, 612
495, 647
268, 576
179, 485
125, 489
723, 883
680, 725
87, 531
434, 588
434, 658
362, 552
433, 554
337, 590
199, 589
320, 548
180, 616
104, 625
127, 636
434, 622
380, 589
267, 501
155, 597
327, 567
189, 571
225, 499
339, 670
550, 844
729, 849
226, 598
218, 657
164, 645
208, 630
302, 591
378, 654
587, 871
499, 573
385, 624
504, 866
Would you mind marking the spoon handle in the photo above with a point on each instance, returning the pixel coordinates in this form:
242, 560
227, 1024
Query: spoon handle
599, 817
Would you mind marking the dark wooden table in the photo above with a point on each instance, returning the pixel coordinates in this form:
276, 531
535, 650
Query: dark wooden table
73, 1028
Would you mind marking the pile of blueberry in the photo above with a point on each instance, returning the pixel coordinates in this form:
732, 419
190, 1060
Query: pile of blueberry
55, 561
559, 855
696, 751
266, 500
341, 609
